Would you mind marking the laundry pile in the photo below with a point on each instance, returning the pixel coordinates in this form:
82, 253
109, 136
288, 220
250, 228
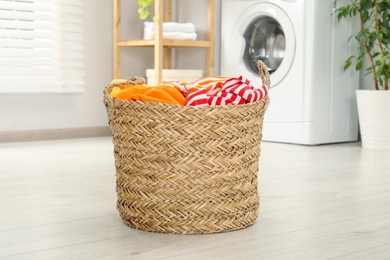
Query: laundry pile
171, 30
208, 91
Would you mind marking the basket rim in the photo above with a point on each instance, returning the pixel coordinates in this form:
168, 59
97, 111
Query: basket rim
263, 72
115, 101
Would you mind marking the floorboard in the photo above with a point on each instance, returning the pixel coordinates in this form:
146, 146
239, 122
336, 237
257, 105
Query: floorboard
57, 201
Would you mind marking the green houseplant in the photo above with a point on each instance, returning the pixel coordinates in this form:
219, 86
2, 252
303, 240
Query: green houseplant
373, 43
373, 38
144, 8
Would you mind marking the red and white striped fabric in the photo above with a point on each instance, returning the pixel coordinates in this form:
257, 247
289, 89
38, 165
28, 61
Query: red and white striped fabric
205, 87
202, 96
233, 91
210, 82
183, 87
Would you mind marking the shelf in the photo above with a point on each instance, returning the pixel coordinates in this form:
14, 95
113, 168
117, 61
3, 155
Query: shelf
162, 47
165, 43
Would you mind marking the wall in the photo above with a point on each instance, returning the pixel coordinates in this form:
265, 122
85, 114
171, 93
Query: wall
35, 112
26, 112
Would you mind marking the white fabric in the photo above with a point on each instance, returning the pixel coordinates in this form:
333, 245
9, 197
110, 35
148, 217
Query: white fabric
172, 27
171, 35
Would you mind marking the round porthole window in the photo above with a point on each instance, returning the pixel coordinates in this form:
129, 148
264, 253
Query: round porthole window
265, 40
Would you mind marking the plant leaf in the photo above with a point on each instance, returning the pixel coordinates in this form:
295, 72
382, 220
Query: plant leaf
359, 65
347, 65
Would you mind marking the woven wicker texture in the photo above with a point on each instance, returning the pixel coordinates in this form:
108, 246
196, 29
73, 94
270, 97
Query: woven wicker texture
187, 169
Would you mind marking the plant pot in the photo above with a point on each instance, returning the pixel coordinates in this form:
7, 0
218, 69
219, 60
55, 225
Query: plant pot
374, 118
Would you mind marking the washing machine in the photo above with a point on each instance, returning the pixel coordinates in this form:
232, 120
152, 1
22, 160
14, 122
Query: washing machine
312, 99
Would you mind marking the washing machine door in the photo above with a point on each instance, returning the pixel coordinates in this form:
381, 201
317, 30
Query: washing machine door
264, 40
269, 36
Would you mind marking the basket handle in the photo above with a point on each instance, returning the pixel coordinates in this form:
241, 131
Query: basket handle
264, 73
131, 81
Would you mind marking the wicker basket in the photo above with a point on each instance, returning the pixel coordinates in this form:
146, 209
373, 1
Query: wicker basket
187, 169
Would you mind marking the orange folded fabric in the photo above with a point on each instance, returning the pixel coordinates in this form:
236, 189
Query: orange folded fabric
127, 92
176, 94
163, 94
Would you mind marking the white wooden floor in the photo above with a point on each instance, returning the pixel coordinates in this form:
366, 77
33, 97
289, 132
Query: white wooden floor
57, 201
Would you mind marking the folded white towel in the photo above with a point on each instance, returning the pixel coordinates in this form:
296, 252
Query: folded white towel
171, 35
172, 27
